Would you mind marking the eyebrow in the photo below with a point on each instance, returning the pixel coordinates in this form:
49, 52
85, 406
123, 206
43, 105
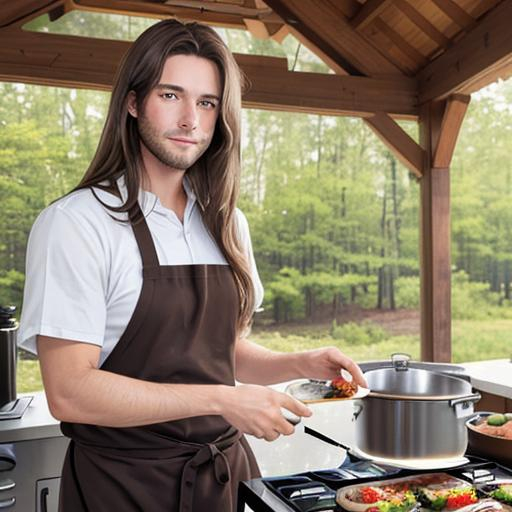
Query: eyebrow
177, 88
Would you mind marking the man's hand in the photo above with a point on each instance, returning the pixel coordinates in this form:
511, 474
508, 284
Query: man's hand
256, 410
327, 363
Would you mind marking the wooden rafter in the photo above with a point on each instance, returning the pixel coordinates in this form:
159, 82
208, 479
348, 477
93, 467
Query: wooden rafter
422, 23
399, 141
455, 13
451, 123
17, 13
368, 12
409, 51
261, 30
224, 15
330, 34
63, 60
474, 59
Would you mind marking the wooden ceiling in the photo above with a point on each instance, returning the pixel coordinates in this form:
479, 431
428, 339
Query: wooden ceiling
388, 56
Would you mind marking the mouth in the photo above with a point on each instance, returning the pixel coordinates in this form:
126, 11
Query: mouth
183, 141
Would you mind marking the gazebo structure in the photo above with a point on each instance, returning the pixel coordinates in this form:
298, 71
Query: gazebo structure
392, 59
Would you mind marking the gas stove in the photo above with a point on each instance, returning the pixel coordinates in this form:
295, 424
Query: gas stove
315, 491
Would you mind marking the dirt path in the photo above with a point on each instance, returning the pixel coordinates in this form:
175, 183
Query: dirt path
397, 322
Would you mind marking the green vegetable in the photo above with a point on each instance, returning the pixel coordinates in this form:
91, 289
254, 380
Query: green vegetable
396, 505
496, 420
431, 499
503, 493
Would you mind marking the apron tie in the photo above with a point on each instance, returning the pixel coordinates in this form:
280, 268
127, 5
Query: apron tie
208, 453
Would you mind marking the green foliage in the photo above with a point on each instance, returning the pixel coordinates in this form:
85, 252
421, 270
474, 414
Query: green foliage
11, 288
365, 333
408, 292
474, 301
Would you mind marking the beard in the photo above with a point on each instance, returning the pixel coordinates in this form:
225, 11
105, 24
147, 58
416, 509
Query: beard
158, 147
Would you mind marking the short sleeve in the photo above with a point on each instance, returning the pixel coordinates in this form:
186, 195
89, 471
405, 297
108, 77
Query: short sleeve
245, 239
66, 280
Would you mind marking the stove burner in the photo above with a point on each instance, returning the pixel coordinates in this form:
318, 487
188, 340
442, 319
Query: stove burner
315, 491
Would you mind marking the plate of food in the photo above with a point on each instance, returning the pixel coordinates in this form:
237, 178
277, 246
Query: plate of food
433, 491
310, 391
501, 491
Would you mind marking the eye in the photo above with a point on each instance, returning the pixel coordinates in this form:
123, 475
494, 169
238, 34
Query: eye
169, 96
208, 104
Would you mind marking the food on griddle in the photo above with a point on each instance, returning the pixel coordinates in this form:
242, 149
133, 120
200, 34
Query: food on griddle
435, 491
381, 499
496, 420
449, 499
503, 493
498, 425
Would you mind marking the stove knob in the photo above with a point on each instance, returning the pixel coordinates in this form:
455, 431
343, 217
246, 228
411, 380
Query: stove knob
6, 484
7, 457
7, 503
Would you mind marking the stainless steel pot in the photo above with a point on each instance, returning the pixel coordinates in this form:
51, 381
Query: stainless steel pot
413, 414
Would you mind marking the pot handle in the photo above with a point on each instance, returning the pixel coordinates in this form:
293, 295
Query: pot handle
358, 409
464, 405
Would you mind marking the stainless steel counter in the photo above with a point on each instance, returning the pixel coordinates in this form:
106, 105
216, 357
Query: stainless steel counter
36, 423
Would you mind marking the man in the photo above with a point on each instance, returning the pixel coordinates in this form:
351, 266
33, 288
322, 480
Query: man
141, 285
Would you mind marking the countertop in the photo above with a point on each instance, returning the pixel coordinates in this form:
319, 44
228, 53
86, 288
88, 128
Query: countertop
494, 376
36, 423
286, 455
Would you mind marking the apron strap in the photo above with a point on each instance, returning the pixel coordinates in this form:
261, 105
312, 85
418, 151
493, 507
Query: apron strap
143, 237
208, 453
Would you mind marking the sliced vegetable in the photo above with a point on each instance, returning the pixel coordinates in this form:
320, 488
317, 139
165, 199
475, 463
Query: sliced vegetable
503, 493
459, 498
369, 495
496, 420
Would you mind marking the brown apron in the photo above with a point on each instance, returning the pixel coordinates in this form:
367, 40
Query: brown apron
182, 331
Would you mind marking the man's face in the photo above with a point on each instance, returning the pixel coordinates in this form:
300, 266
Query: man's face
178, 119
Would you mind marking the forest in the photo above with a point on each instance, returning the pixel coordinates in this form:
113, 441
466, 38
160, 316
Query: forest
334, 217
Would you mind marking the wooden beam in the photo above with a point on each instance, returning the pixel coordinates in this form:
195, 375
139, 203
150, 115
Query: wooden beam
405, 48
453, 116
222, 15
473, 59
71, 61
458, 15
262, 30
435, 263
19, 12
403, 146
422, 23
330, 33
368, 12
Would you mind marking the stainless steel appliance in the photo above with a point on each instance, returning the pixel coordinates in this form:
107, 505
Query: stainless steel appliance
8, 353
11, 407
315, 491
32, 450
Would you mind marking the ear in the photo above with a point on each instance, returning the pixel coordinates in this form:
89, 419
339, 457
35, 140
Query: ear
131, 104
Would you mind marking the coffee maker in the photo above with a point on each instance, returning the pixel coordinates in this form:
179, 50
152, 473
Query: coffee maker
11, 407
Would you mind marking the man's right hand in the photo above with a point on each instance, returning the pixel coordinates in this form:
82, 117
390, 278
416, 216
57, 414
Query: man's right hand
256, 410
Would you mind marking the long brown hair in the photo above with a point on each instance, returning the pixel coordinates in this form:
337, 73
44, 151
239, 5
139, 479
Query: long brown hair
215, 177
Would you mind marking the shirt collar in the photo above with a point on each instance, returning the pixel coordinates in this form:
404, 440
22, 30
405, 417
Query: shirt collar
149, 202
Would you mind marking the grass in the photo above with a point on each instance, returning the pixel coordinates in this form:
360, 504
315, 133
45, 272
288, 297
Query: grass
471, 341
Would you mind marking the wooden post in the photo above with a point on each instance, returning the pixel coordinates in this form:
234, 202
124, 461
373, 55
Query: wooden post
440, 123
435, 272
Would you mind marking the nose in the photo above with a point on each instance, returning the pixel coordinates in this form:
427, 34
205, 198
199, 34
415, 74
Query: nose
188, 119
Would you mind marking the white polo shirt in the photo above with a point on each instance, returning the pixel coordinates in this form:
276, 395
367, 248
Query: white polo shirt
84, 269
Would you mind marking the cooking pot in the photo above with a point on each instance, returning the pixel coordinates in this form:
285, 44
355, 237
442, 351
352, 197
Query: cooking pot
413, 413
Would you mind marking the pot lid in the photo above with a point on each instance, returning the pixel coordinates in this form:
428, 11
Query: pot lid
415, 384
